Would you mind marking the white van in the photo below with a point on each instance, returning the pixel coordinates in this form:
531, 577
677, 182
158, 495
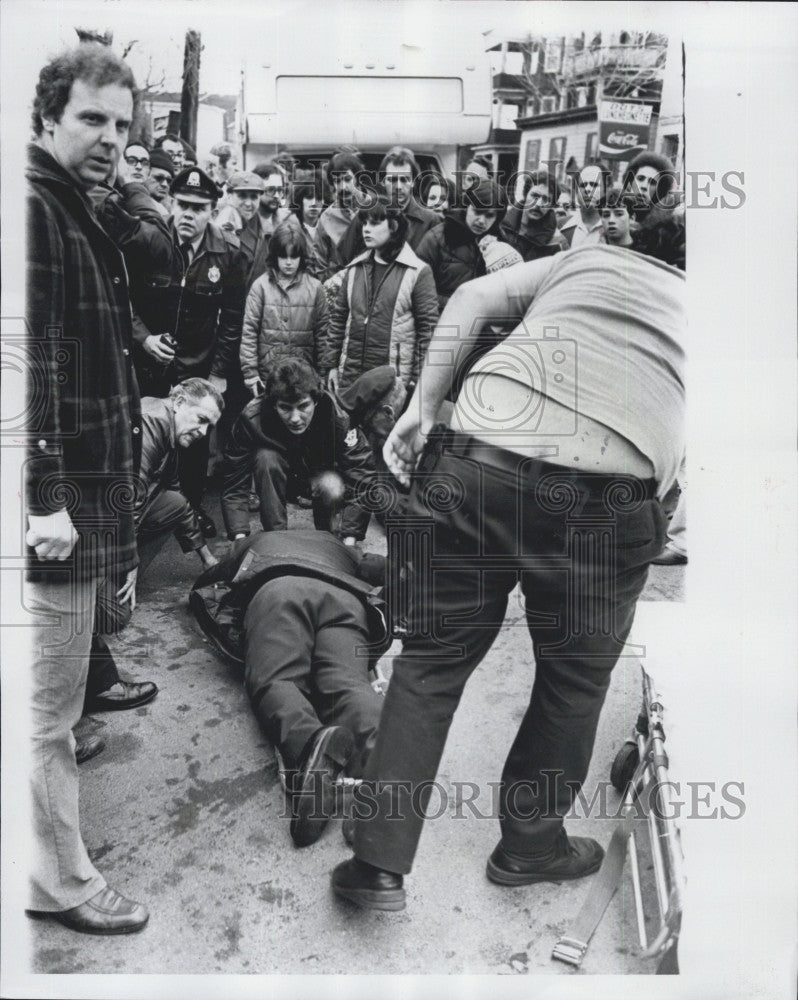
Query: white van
372, 76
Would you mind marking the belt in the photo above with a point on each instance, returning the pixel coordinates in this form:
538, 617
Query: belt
510, 462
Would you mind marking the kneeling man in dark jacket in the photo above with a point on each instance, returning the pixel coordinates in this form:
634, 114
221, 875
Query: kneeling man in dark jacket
305, 616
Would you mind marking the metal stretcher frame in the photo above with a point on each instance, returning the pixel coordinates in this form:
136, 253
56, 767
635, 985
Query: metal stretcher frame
647, 792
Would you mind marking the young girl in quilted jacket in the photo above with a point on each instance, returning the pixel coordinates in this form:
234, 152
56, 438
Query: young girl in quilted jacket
286, 312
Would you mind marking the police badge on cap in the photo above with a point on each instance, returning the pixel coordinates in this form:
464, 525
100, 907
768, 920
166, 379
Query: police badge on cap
193, 184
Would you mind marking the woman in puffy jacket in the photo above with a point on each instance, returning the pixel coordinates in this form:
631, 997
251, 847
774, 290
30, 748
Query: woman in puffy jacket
451, 248
386, 307
286, 312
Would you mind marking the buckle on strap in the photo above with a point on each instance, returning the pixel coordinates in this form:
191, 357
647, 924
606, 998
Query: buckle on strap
570, 950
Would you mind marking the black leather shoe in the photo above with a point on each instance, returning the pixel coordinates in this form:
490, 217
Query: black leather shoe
108, 912
313, 799
87, 745
123, 694
367, 886
205, 521
568, 858
670, 557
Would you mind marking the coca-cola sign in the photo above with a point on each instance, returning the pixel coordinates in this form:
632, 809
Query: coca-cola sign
623, 128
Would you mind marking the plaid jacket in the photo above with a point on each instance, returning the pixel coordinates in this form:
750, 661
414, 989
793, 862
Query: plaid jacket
83, 415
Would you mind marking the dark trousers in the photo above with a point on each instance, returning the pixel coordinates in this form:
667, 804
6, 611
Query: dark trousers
580, 545
160, 519
192, 467
302, 666
272, 472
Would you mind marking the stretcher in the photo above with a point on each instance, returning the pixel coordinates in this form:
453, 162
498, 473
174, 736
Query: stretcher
641, 772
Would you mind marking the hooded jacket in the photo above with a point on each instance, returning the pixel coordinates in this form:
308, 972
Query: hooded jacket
451, 251
326, 445
388, 325
83, 417
282, 322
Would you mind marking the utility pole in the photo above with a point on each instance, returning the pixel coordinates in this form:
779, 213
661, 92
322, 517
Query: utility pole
189, 99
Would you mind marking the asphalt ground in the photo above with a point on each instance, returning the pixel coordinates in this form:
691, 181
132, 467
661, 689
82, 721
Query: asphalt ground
184, 811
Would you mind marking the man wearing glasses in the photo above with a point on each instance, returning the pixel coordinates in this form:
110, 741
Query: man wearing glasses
136, 163
161, 172
531, 227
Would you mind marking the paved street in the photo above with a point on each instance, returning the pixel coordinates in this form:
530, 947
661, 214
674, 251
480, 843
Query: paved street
183, 811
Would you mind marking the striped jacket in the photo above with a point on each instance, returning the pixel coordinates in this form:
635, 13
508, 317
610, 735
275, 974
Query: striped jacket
83, 420
389, 325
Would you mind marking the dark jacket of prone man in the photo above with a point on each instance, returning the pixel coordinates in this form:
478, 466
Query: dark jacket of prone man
261, 557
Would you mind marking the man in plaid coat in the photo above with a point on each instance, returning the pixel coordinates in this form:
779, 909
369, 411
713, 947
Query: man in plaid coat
84, 432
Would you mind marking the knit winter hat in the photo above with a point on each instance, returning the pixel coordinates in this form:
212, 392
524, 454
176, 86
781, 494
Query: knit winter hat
162, 160
497, 254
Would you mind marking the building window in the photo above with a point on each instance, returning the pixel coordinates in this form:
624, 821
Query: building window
590, 147
532, 157
547, 105
556, 156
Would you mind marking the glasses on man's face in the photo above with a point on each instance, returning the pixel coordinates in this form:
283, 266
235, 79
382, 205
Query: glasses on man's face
273, 190
137, 161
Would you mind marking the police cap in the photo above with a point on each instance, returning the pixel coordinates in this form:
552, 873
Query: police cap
193, 184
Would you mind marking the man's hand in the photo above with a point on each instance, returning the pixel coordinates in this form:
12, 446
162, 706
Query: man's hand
255, 386
53, 536
405, 443
127, 592
218, 383
328, 487
332, 381
380, 682
156, 348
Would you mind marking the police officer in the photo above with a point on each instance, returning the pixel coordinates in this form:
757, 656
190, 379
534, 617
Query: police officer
189, 319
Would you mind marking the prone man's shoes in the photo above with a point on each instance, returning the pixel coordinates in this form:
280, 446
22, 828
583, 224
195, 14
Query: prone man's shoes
109, 912
313, 798
568, 858
367, 886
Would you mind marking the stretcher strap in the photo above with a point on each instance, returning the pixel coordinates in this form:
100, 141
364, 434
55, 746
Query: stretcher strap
572, 946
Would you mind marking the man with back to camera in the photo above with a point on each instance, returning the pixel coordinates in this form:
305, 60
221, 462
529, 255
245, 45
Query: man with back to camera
83, 455
561, 485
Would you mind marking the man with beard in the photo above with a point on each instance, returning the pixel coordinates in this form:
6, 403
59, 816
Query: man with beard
532, 227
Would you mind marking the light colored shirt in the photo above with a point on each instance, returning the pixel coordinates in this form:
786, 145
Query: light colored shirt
603, 334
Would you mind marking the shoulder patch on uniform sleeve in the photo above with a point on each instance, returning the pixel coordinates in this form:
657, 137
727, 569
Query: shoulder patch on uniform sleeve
351, 438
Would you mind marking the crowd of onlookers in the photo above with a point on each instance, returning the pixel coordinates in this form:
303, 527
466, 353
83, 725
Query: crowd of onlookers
290, 308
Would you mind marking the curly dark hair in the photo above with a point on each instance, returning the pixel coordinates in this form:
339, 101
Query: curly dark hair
91, 62
289, 380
